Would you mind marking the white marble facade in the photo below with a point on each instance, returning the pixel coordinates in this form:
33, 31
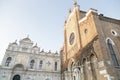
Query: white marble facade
24, 61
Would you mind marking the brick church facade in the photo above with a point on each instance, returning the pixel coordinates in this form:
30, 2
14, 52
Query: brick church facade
91, 49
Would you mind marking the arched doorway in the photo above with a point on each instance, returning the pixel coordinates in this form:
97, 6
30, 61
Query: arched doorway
47, 79
17, 71
16, 77
69, 74
76, 74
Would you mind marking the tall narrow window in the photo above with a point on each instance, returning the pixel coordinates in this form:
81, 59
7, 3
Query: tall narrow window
112, 53
41, 64
8, 61
32, 62
55, 66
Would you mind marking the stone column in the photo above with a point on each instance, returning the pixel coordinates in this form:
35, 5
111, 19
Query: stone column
82, 73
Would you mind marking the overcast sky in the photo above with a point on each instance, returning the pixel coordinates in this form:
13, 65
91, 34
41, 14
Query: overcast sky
43, 20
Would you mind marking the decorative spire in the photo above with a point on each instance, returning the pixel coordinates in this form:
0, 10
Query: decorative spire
28, 36
36, 44
70, 11
49, 51
56, 52
75, 2
16, 41
42, 50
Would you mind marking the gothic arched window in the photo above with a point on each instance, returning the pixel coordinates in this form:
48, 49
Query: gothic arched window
112, 53
32, 62
41, 64
8, 61
55, 66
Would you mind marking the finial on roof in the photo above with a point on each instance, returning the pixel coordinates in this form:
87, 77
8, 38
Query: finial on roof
15, 40
56, 52
75, 2
36, 44
42, 50
65, 22
49, 51
69, 11
28, 36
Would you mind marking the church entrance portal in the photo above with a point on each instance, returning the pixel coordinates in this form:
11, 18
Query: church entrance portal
16, 77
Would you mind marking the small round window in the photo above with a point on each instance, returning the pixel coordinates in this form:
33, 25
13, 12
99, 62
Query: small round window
71, 38
113, 32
